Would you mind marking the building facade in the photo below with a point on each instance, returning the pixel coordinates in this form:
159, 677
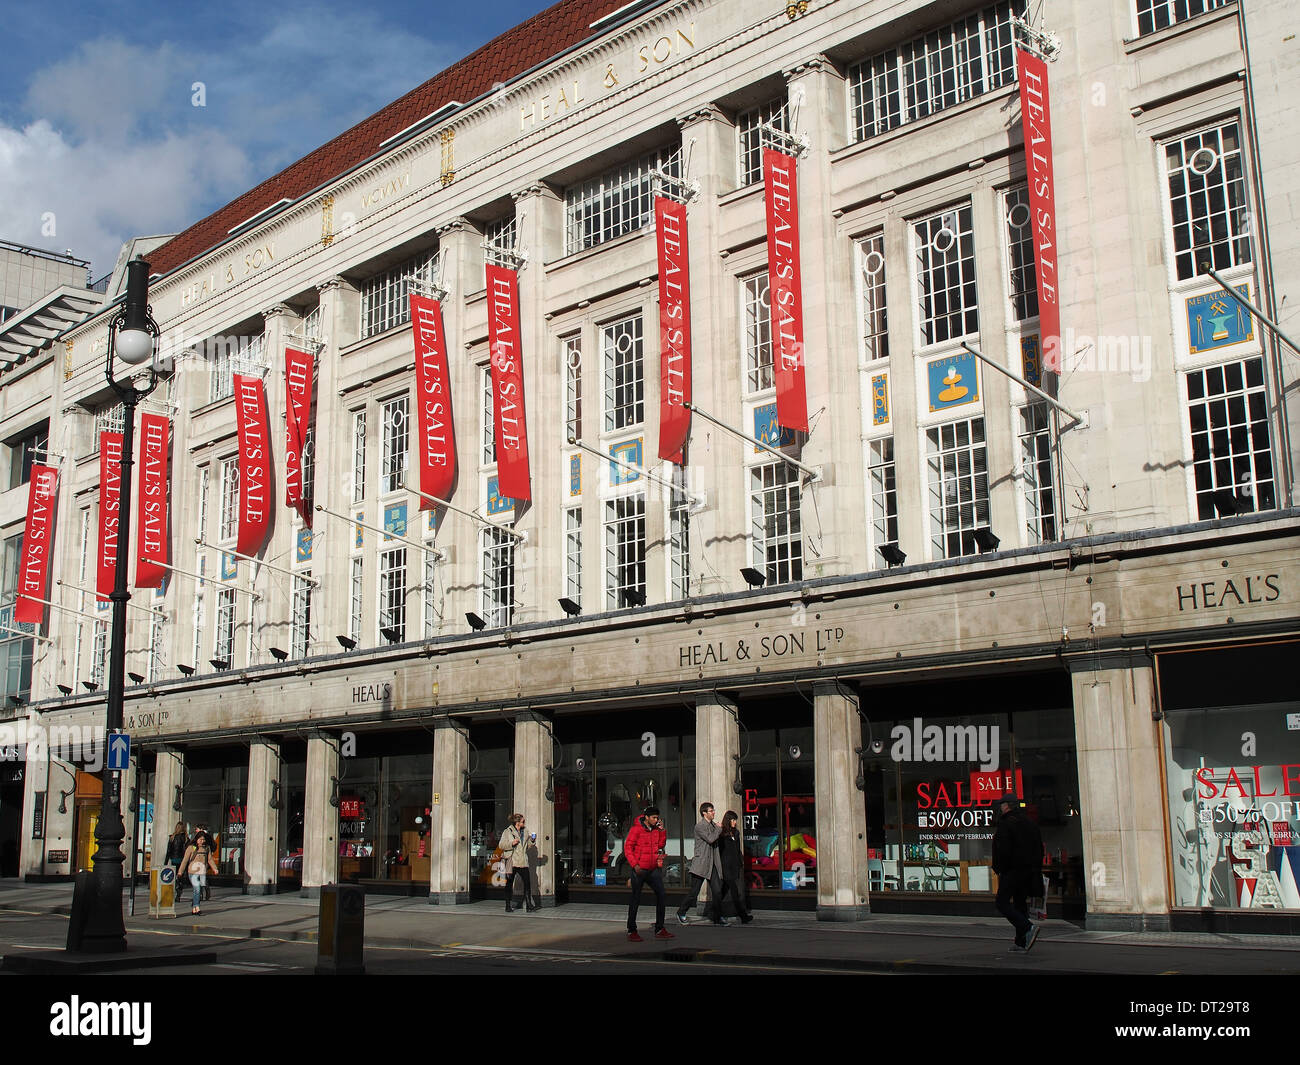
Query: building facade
962, 588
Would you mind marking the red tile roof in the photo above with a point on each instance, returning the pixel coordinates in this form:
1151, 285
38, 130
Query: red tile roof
530, 43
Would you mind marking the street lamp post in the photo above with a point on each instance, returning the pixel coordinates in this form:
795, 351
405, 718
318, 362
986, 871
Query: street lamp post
97, 906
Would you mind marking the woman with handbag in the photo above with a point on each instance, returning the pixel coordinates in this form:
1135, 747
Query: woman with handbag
514, 857
197, 861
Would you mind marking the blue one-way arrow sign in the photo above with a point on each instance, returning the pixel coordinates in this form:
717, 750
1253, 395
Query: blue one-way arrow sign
119, 750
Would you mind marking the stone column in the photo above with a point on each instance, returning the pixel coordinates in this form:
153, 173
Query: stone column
841, 811
168, 775
262, 829
331, 552
534, 751
717, 742
1121, 804
449, 832
320, 845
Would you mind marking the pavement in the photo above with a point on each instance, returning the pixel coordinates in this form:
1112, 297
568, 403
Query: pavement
896, 944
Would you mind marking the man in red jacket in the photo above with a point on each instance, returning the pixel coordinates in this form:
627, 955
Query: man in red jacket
644, 853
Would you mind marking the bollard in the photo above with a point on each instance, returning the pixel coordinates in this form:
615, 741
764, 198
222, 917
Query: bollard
340, 943
162, 892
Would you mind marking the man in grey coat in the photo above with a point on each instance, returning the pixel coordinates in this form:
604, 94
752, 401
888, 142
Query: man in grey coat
705, 865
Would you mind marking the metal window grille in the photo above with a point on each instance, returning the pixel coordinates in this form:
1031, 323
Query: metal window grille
936, 70
757, 335
749, 137
301, 634
385, 298
624, 549
571, 353
624, 373
489, 426
498, 577
1207, 200
1035, 434
776, 522
619, 201
573, 554
204, 476
354, 613
875, 322
945, 274
308, 464
109, 420
884, 496
432, 613
397, 442
99, 653
1020, 254
224, 648
1157, 14
229, 499
392, 591
1227, 408
679, 537
358, 456
959, 486
156, 646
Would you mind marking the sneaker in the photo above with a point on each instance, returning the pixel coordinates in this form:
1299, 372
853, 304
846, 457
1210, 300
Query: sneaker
633, 937
1031, 937
747, 919
682, 919
663, 933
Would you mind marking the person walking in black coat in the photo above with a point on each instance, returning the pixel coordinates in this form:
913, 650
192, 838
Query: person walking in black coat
1018, 862
732, 857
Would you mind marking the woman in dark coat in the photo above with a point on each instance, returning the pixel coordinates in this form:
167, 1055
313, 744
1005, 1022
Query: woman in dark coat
732, 856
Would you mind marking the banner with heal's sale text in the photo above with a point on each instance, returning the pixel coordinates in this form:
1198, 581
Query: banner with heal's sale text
38, 536
785, 288
432, 400
298, 366
1036, 120
674, 328
151, 514
510, 422
110, 512
254, 464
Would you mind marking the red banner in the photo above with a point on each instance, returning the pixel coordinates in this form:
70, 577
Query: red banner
254, 464
785, 289
110, 512
151, 519
433, 400
510, 421
1036, 120
674, 328
38, 535
298, 366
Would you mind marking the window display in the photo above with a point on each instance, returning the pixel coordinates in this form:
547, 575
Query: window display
1233, 781
778, 808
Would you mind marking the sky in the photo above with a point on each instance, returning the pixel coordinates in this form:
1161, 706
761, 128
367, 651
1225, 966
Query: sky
105, 135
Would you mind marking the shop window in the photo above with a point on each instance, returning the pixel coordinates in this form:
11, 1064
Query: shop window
776, 532
1037, 479
1022, 273
945, 275
292, 811
778, 809
959, 486
215, 798
1232, 461
1208, 204
491, 804
1234, 817
1155, 15
875, 322
937, 70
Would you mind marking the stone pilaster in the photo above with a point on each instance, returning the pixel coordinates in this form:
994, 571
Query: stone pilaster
320, 847
449, 832
168, 775
1121, 807
534, 751
262, 830
717, 744
841, 812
